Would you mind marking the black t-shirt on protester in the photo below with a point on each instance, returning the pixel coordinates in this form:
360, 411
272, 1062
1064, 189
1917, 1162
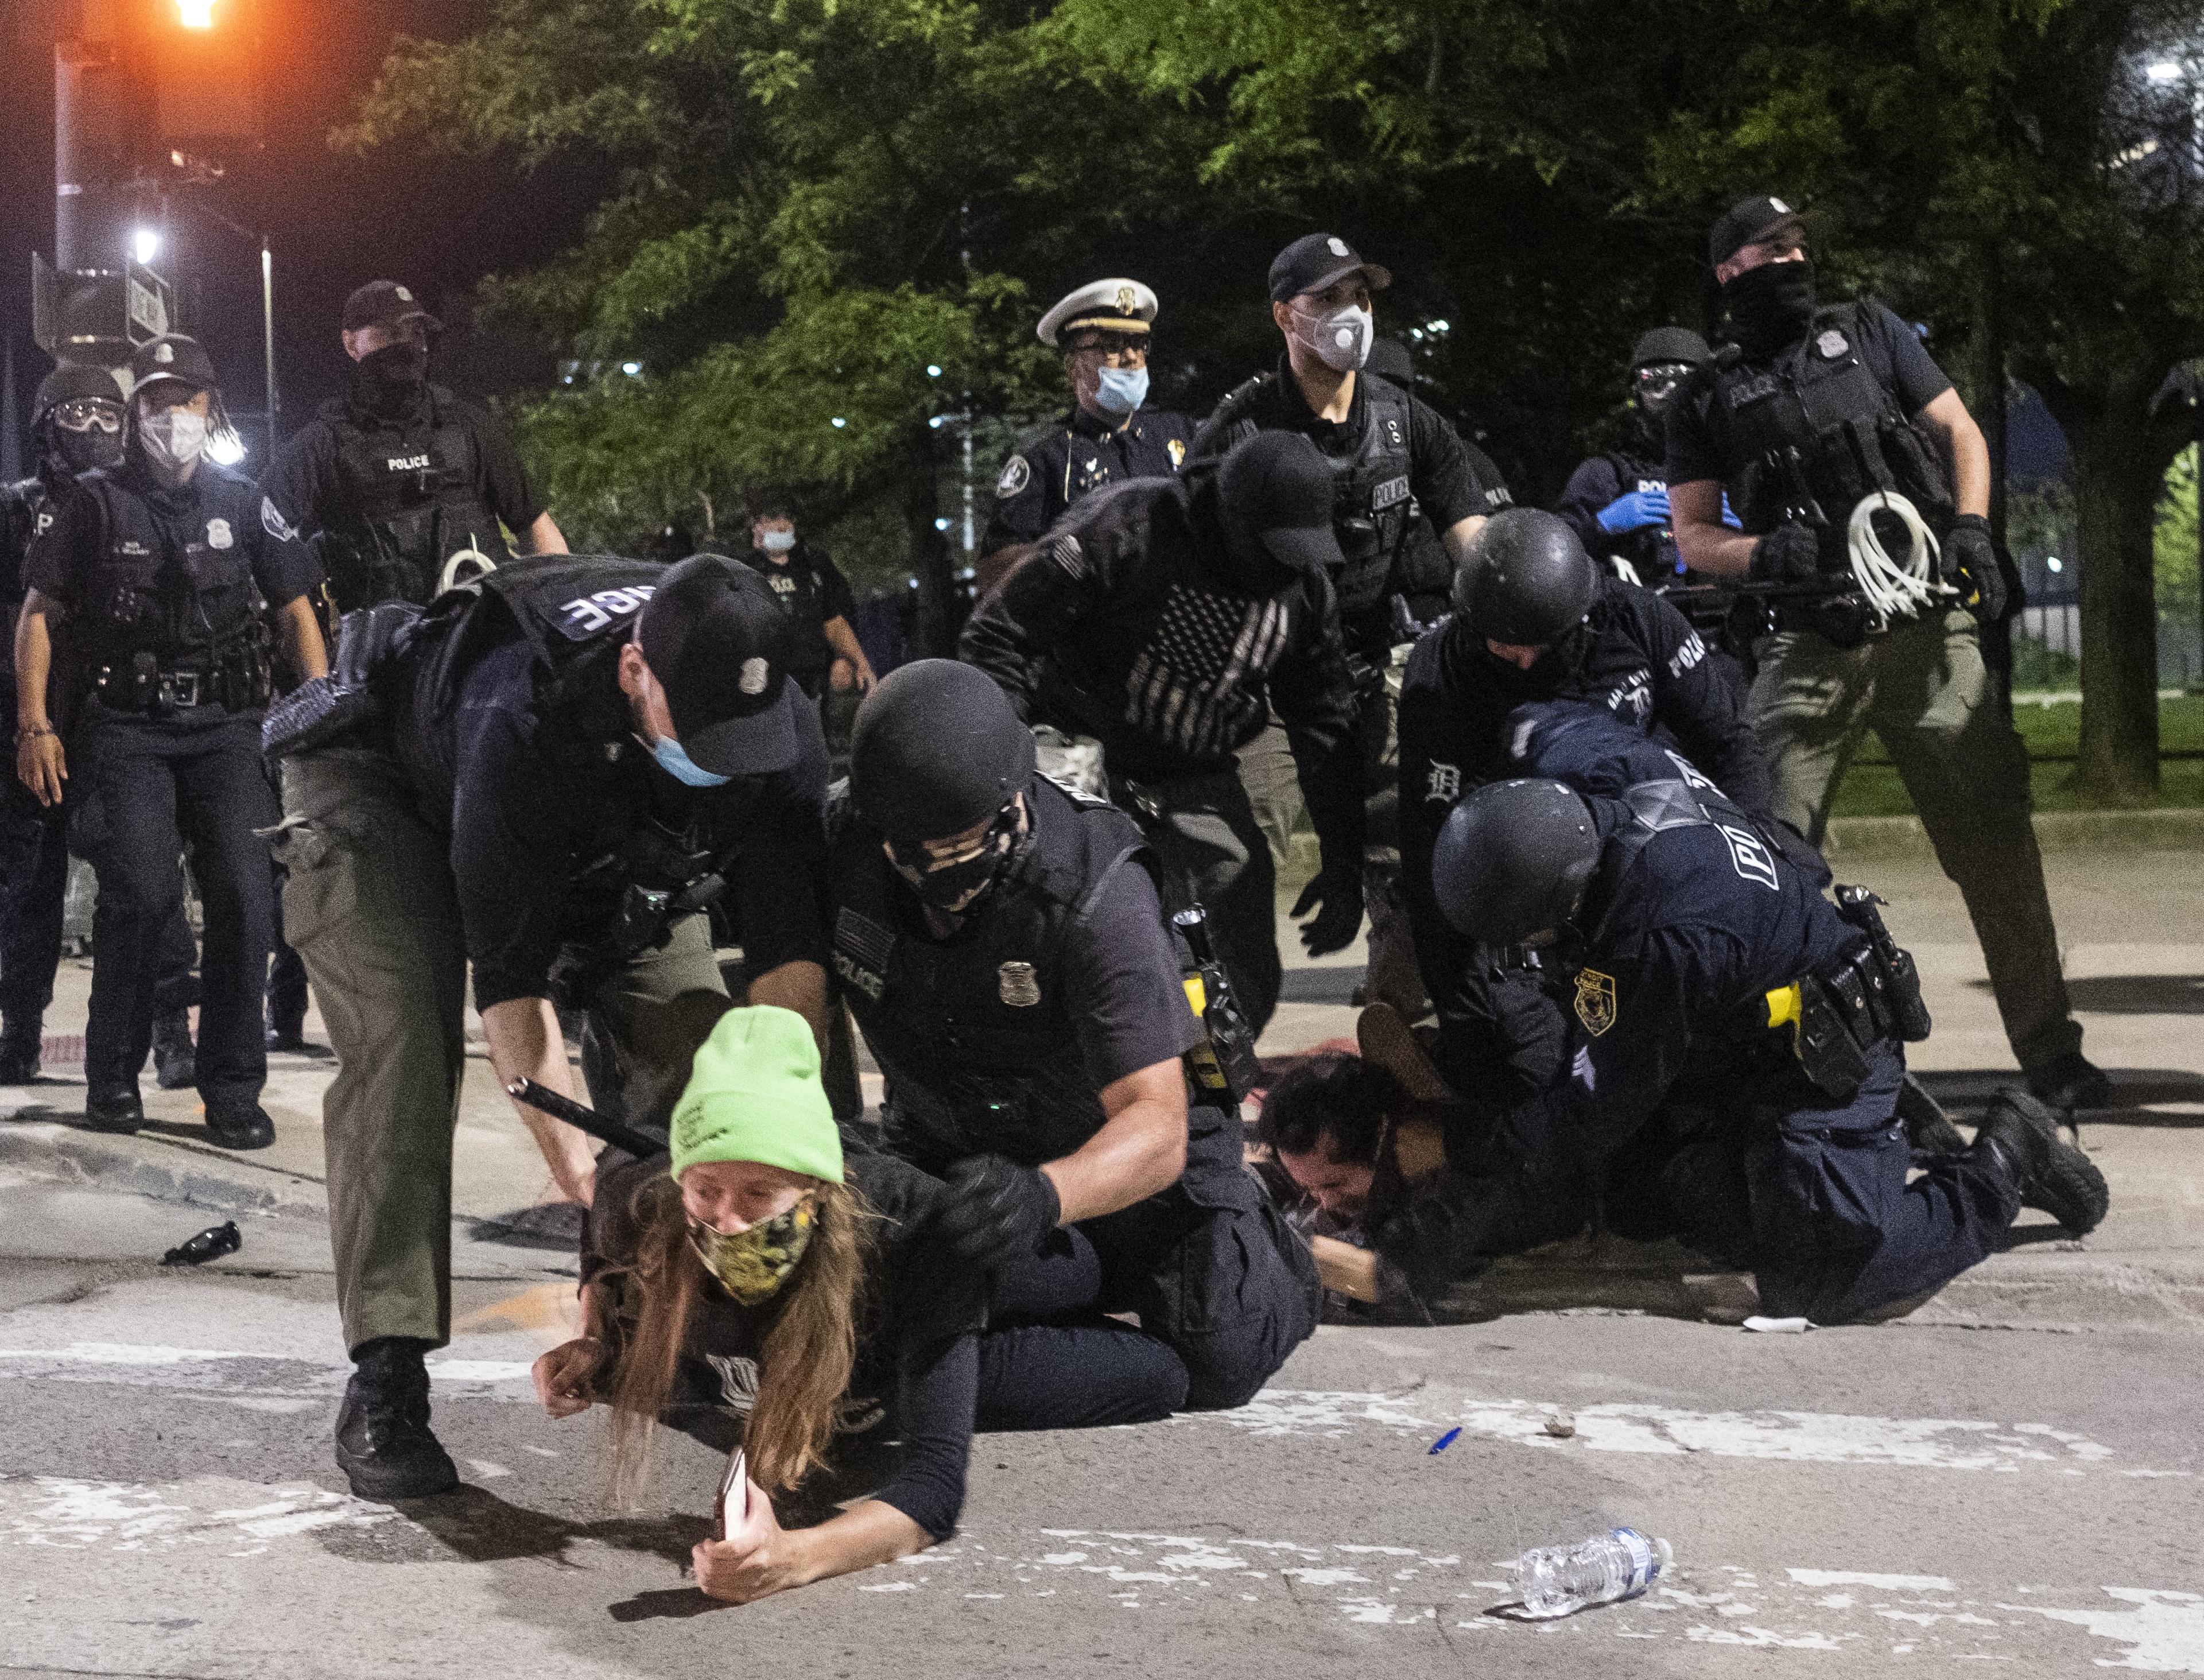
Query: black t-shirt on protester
1888, 348
523, 826
812, 592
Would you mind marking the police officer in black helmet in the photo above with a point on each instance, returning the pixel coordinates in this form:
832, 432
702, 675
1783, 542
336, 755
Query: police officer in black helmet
1004, 948
1736, 1047
159, 567
1160, 623
1820, 420
1536, 618
399, 476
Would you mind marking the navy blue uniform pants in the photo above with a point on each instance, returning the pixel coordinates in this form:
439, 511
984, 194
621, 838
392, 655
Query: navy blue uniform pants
33, 890
147, 787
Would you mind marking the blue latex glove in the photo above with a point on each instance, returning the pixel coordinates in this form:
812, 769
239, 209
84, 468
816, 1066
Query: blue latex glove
1634, 511
1729, 515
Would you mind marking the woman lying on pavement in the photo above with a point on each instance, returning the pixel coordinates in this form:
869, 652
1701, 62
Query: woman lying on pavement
753, 1277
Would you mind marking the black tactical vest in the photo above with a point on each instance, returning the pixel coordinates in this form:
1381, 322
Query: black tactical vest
413, 498
190, 604
1812, 423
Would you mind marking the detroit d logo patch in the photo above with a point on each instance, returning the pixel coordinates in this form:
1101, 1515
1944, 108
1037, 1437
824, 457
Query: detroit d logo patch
1595, 1001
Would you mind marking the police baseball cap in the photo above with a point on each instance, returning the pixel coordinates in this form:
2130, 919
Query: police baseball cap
1276, 487
715, 637
385, 303
1314, 261
1748, 221
173, 357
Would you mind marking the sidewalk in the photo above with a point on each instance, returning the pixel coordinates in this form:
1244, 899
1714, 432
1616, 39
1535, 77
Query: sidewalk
2134, 923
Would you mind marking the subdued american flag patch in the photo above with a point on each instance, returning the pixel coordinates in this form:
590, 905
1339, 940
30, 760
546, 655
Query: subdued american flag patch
1192, 685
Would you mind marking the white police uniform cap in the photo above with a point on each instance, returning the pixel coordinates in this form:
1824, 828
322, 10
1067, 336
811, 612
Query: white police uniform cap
1115, 305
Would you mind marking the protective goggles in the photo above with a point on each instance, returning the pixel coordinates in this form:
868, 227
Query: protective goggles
89, 414
1657, 382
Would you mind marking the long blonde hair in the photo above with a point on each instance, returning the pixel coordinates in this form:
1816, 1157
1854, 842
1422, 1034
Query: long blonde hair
804, 1368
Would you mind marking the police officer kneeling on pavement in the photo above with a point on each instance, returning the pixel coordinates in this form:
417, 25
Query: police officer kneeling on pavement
159, 567
1537, 619
1003, 946
1843, 447
1165, 618
1737, 1055
548, 778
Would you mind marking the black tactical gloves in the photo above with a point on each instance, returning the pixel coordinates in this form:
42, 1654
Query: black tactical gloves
1335, 895
993, 1211
1791, 553
1969, 564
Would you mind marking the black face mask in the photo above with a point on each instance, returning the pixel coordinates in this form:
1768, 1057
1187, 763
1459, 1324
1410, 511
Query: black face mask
1770, 306
393, 375
81, 451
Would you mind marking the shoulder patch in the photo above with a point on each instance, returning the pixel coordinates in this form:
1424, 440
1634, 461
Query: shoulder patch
272, 522
1596, 1002
1016, 475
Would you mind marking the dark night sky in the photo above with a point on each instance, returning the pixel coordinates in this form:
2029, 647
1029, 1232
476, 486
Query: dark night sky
336, 220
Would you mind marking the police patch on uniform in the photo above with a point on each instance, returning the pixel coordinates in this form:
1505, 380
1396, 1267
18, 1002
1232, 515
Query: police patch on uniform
219, 535
1016, 475
1392, 492
272, 522
1831, 345
1749, 857
1595, 1001
1017, 985
1443, 783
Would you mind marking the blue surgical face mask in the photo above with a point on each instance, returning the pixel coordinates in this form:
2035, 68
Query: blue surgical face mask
1121, 390
678, 764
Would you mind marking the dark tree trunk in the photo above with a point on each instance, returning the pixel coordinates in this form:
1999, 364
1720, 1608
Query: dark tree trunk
938, 615
2118, 473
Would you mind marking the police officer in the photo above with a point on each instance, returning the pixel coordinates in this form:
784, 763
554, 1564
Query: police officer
1102, 332
1164, 618
1738, 1049
1815, 418
1536, 618
545, 781
1004, 948
1394, 460
397, 476
822, 648
78, 426
1617, 502
159, 566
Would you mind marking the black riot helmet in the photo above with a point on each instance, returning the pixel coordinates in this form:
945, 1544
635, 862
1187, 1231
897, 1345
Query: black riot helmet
1514, 861
936, 748
78, 417
1528, 580
1660, 363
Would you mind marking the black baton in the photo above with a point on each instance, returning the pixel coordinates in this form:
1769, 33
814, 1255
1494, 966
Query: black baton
587, 1120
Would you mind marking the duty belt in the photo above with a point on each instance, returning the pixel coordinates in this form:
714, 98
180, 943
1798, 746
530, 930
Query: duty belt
1835, 1021
124, 690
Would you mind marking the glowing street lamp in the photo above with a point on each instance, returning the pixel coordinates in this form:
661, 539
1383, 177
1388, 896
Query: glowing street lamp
196, 13
146, 246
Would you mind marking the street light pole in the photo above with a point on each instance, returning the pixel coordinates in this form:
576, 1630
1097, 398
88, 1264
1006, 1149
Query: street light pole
268, 335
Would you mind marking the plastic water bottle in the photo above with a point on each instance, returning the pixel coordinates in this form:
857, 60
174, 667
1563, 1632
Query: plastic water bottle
1562, 1580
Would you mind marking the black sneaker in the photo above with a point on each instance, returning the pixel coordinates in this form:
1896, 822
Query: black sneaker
175, 1064
112, 1108
294, 1041
384, 1445
2072, 1082
240, 1124
19, 1059
2022, 1135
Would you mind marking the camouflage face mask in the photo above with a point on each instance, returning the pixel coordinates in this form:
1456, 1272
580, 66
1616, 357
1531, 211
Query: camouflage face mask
751, 1265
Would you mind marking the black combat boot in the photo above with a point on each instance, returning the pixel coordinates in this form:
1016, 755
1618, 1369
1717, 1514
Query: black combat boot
2021, 1135
112, 1105
20, 1041
239, 1123
174, 1064
384, 1445
2072, 1082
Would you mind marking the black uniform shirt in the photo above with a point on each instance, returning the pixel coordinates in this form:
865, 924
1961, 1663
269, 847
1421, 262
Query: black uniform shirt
1888, 348
214, 506
530, 812
26, 511
1079, 453
811, 591
307, 482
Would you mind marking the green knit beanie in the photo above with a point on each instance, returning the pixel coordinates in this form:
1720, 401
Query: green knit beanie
754, 1095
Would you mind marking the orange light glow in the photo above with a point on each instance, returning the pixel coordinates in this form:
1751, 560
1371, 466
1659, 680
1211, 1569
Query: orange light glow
196, 14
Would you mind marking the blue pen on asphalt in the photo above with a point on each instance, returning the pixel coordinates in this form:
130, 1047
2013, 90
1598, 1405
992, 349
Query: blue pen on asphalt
1447, 1440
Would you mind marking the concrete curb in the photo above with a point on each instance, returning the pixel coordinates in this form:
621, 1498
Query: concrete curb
152, 1166
2178, 829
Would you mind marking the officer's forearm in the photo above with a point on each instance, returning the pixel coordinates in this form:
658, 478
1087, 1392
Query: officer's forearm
1461, 535
1970, 452
34, 659
544, 536
525, 1044
843, 641
302, 640
1707, 544
1141, 1149
800, 986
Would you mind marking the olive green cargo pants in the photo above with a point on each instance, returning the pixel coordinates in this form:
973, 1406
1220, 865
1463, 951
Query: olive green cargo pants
1922, 687
371, 905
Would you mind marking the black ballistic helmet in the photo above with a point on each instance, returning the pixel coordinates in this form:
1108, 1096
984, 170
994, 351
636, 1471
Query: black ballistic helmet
1665, 345
1528, 580
1514, 859
74, 382
936, 748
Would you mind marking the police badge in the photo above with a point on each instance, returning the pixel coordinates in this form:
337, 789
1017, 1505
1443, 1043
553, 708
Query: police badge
1015, 983
1595, 1001
1832, 344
